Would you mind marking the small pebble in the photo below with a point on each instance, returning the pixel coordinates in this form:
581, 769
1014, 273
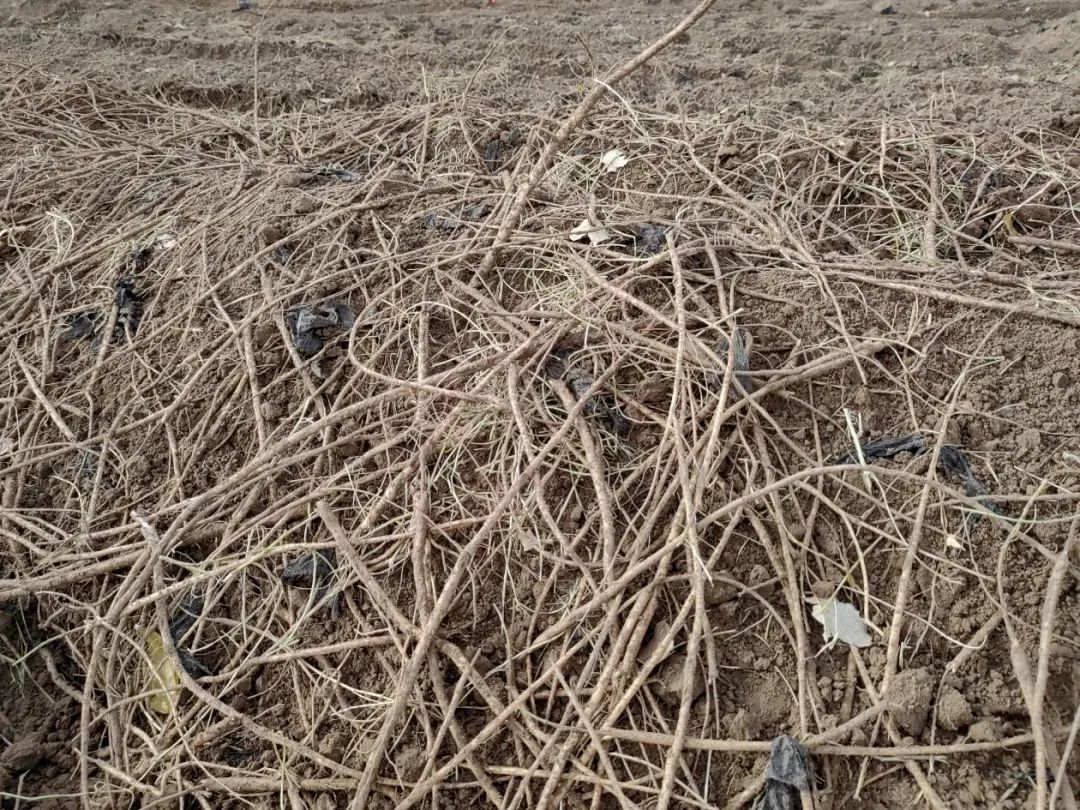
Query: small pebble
719, 592
269, 234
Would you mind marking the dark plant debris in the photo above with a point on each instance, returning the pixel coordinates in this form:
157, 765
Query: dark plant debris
283, 254
558, 367
309, 324
81, 326
444, 221
87, 324
648, 239
128, 306
951, 462
474, 212
787, 774
140, 258
330, 173
315, 571
441, 222
887, 448
235, 755
493, 154
498, 147
187, 613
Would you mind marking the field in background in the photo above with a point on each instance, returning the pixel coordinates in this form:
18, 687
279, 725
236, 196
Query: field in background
311, 405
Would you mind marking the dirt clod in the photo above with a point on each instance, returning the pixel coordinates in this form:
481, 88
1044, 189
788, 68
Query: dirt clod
717, 592
672, 683
988, 730
1029, 439
953, 710
24, 753
910, 696
268, 234
409, 761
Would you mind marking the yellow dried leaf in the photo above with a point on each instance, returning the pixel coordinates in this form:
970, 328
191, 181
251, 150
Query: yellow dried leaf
1007, 221
164, 679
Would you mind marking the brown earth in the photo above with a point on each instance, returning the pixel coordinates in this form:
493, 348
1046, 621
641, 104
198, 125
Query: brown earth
986, 63
893, 194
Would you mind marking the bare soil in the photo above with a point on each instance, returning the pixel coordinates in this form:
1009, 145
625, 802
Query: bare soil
985, 63
884, 203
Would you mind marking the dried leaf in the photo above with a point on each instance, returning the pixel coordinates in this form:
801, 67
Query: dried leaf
841, 621
164, 679
529, 540
613, 160
597, 234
